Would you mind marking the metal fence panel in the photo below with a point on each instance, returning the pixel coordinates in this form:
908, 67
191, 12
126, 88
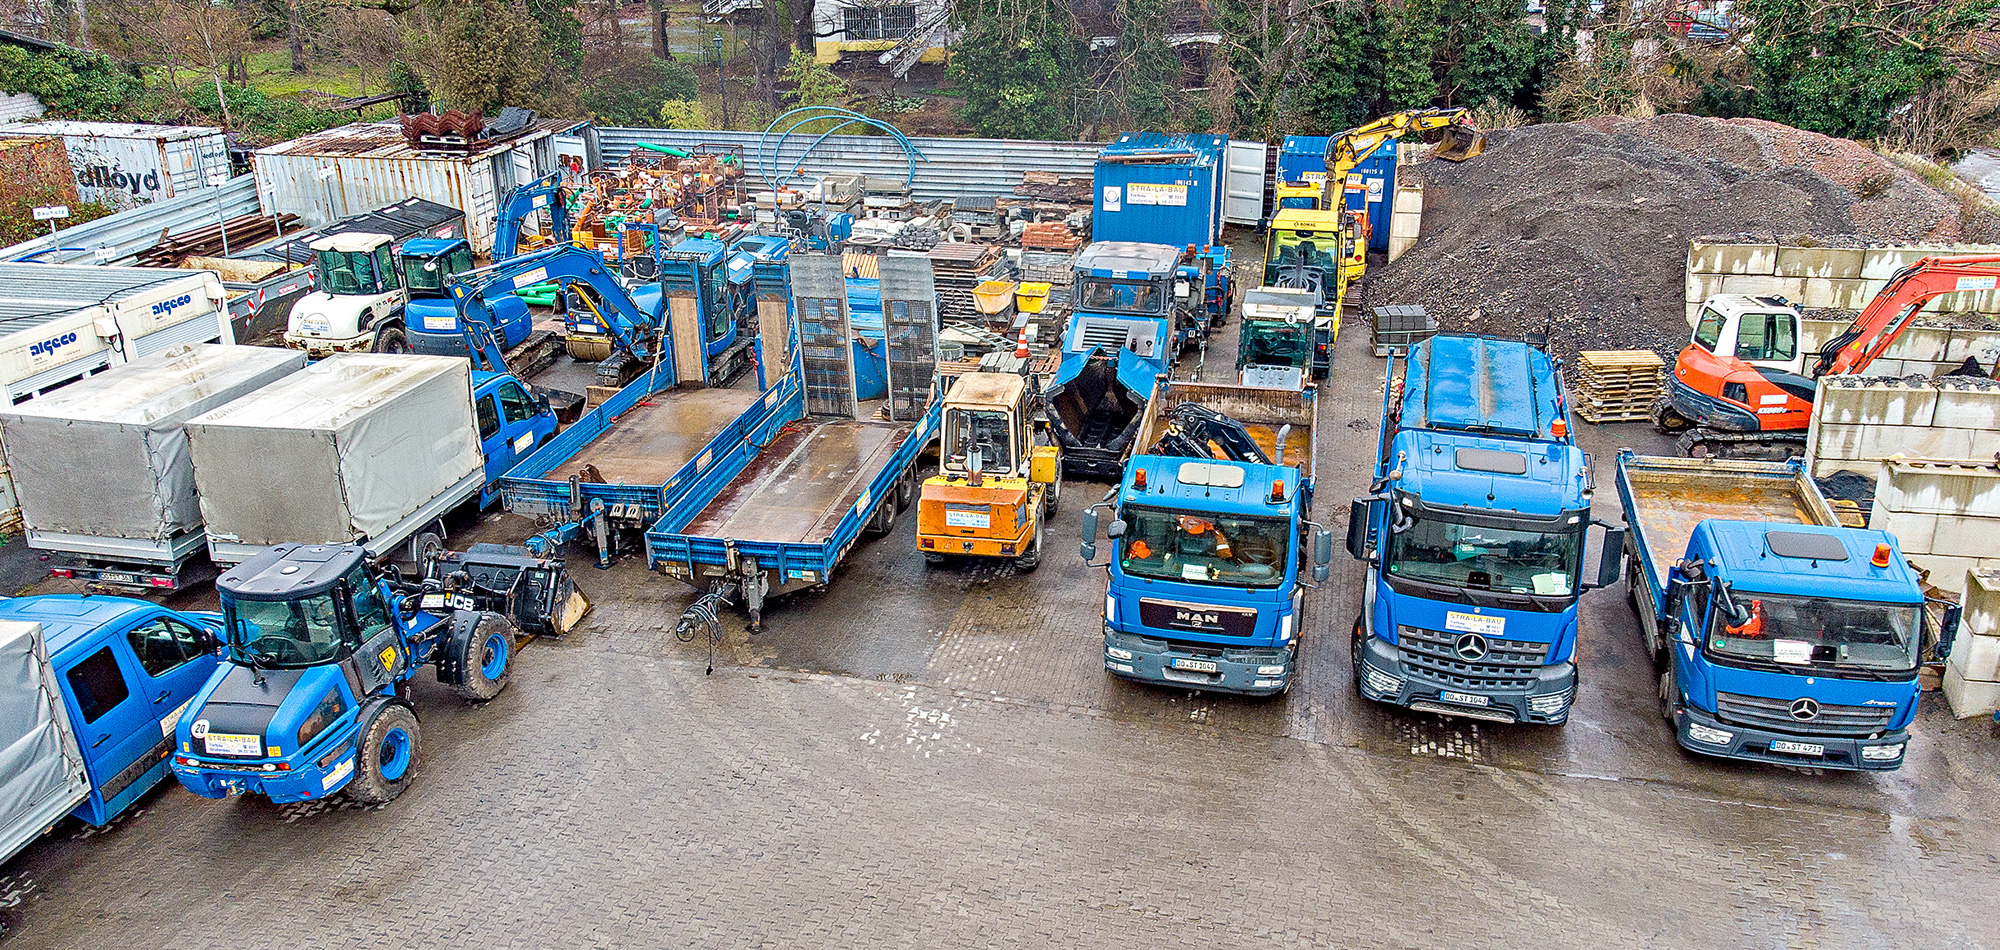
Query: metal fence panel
129, 232
909, 325
957, 167
820, 293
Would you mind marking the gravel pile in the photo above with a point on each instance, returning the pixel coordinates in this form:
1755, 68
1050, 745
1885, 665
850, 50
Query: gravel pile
1581, 230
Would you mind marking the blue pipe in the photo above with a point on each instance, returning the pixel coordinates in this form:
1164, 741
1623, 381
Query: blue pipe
807, 114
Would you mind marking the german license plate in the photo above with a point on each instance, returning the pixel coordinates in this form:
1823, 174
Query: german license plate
1195, 666
1463, 699
117, 577
1797, 748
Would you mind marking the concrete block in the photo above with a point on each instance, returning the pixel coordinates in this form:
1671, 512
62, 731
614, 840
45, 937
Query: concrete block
1982, 606
1946, 573
1917, 442
1881, 263
1700, 287
1813, 334
1913, 529
1966, 537
1838, 440
1981, 345
1965, 301
1877, 402
1826, 293
1829, 262
1978, 657
1763, 285
1969, 698
1967, 407
1693, 313
1918, 343
1960, 490
1732, 258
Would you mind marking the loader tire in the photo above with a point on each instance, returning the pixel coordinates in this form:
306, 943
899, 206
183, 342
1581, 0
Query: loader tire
1031, 558
386, 754
391, 340
485, 659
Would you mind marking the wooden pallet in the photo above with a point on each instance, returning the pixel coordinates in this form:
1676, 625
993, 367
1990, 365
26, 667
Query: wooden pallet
1616, 385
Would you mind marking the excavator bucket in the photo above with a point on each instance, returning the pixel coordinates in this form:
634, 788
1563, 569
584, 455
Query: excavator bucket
1460, 143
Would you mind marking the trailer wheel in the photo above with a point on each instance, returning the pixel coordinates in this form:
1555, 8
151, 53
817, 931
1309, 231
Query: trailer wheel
906, 489
386, 756
1032, 558
485, 659
884, 519
391, 340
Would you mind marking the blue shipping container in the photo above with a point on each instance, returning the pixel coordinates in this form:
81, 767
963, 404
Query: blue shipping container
1175, 199
1372, 183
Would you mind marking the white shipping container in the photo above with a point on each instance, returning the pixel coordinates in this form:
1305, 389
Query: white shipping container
61, 322
124, 165
372, 166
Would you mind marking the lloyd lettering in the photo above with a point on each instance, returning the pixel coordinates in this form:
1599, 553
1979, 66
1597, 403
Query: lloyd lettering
104, 176
49, 346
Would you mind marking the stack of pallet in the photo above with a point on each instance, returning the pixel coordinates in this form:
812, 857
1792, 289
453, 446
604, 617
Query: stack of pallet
1617, 385
244, 231
957, 268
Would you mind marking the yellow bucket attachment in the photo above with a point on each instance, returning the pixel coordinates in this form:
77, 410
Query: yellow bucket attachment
993, 296
1460, 143
1031, 297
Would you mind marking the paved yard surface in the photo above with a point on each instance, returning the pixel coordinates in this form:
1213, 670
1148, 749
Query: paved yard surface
934, 757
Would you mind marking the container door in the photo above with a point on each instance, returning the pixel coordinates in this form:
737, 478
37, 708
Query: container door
115, 726
1243, 183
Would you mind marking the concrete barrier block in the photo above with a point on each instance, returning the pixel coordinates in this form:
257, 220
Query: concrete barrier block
1966, 537
1700, 287
1918, 343
1732, 258
1967, 407
1913, 529
1946, 573
1969, 698
1764, 285
1822, 467
1978, 658
1958, 490
1813, 334
1881, 263
1838, 440
1982, 605
1831, 262
1920, 442
1981, 345
1876, 402
1693, 313
1825, 293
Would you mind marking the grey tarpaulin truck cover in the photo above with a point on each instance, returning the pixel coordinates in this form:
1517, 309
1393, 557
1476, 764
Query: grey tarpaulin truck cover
107, 456
41, 767
338, 452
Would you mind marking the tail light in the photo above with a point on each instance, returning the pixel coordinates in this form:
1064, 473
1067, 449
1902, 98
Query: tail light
160, 581
61, 572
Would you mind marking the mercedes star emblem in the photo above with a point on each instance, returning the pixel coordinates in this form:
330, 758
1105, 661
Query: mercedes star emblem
1471, 646
1805, 710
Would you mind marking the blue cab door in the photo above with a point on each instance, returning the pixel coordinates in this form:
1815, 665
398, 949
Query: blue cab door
119, 691
511, 425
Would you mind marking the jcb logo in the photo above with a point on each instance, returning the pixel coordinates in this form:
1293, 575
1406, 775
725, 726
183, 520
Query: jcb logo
168, 306
49, 346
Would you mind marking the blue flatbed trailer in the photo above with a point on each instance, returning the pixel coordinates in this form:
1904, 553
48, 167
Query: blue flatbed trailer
776, 514
628, 460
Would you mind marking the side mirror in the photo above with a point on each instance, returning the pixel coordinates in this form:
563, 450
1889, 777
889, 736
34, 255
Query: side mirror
1089, 547
1116, 529
1322, 546
1357, 529
1611, 560
1948, 629
207, 640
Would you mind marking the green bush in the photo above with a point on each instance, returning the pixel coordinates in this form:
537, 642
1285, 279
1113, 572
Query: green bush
70, 83
262, 116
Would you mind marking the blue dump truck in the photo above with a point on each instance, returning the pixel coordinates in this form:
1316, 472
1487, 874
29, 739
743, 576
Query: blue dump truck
1777, 635
314, 698
1210, 532
1132, 315
1473, 533
94, 686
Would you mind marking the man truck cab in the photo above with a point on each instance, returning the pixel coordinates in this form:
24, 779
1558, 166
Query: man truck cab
358, 306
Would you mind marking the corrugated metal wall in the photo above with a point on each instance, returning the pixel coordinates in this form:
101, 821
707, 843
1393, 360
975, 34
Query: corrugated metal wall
956, 167
129, 232
20, 106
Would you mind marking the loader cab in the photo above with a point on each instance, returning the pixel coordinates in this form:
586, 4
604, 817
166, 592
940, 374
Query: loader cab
356, 264
1761, 331
1298, 195
295, 606
985, 414
1314, 250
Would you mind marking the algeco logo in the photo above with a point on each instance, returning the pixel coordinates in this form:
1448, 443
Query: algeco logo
49, 346
169, 305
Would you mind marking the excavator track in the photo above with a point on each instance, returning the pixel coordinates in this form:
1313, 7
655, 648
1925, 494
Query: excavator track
1709, 443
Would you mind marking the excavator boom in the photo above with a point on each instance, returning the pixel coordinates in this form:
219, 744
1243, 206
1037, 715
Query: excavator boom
1891, 312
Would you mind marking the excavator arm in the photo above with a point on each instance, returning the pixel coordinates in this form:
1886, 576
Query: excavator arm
523, 201
637, 332
1352, 147
1891, 312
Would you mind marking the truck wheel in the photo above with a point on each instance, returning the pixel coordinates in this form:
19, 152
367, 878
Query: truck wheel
425, 547
386, 756
1052, 495
906, 489
1668, 688
1032, 558
391, 340
1354, 656
884, 519
485, 659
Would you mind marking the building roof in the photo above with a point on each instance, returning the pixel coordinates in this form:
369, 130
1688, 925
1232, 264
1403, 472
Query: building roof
385, 140
110, 130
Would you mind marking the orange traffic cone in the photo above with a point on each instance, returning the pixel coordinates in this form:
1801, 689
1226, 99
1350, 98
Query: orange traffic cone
1021, 348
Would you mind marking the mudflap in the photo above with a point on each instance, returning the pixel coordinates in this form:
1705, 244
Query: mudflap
451, 646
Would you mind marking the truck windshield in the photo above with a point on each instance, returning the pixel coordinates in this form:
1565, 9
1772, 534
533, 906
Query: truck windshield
1794, 630
1225, 550
1439, 550
1275, 344
1311, 248
1101, 295
984, 429
283, 633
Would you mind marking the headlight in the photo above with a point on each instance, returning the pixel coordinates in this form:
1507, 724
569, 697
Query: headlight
1882, 753
1549, 704
1111, 609
1277, 669
1709, 734
1117, 654
1266, 684
1380, 682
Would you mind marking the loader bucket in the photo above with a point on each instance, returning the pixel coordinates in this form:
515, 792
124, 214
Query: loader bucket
1460, 143
535, 593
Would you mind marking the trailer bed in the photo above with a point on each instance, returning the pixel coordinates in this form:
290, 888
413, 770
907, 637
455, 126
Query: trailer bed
801, 485
660, 434
1665, 498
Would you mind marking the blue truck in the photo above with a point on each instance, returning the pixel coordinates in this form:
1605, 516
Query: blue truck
1474, 534
314, 698
1777, 635
1168, 189
1209, 556
95, 686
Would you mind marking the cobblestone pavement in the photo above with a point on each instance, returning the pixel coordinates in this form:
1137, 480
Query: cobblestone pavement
934, 757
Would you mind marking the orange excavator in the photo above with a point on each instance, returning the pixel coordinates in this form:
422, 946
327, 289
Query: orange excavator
1743, 387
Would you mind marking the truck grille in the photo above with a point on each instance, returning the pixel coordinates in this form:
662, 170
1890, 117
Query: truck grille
1507, 666
1760, 712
